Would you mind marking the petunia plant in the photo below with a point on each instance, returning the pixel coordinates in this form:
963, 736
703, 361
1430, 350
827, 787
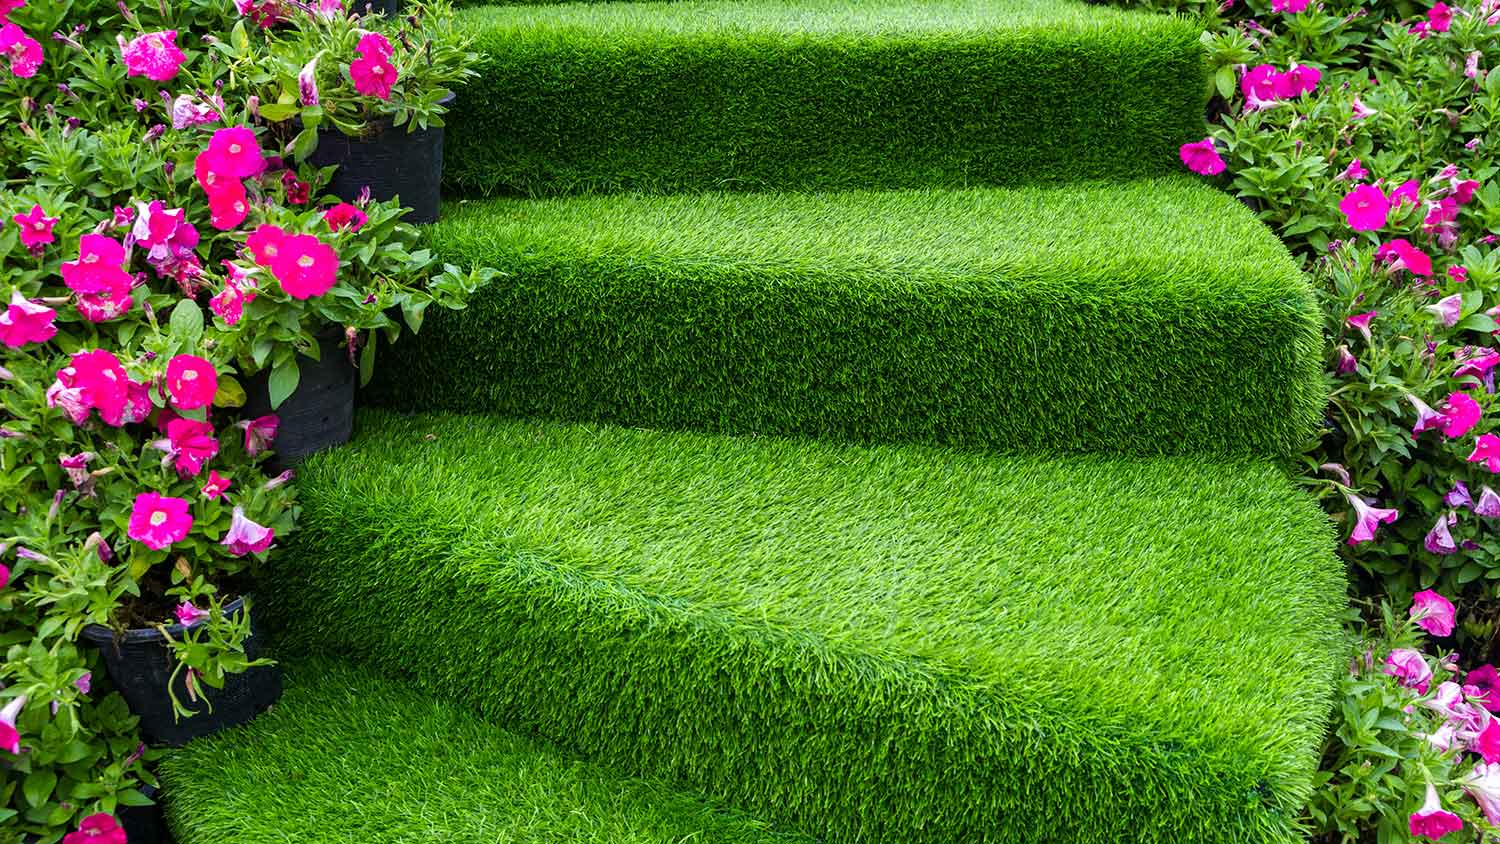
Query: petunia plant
165, 254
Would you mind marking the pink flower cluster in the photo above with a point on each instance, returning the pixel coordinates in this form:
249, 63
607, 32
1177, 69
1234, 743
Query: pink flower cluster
154, 55
372, 73
1263, 86
1469, 725
23, 51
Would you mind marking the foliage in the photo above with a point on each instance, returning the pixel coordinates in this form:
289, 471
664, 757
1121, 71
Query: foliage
162, 245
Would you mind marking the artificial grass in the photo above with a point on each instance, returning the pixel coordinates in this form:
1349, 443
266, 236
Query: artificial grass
349, 757
803, 94
1150, 317
872, 644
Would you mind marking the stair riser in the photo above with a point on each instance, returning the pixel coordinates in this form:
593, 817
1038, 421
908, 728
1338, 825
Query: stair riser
698, 111
868, 362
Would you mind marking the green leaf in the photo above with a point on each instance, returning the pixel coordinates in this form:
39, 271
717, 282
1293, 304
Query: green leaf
367, 360
277, 112
1478, 322
413, 312
132, 797
305, 143
230, 393
39, 785
1224, 80
283, 381
186, 323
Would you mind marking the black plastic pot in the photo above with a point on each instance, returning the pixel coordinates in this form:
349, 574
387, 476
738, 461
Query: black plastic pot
140, 664
145, 824
318, 414
391, 162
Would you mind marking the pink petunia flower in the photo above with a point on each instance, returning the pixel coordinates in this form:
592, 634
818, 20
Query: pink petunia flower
1483, 685
1458, 273
1359, 111
1479, 364
216, 485
1432, 612
1487, 742
259, 433
1483, 784
1460, 414
1432, 820
168, 236
189, 444
1410, 258
35, 229
239, 290
10, 736
189, 615
191, 382
1366, 208
102, 379
24, 52
188, 111
1464, 190
228, 206
1258, 85
1367, 519
346, 216
374, 45
25, 322
8, 6
1439, 17
246, 537
103, 307
1290, 7
235, 152
1299, 79
1458, 496
1347, 362
265, 243
1487, 451
1427, 418
100, 266
1201, 157
157, 521
305, 266
1447, 310
307, 82
154, 55
1439, 539
1409, 668
1407, 192
373, 75
84, 683
1353, 173
1361, 322
1488, 504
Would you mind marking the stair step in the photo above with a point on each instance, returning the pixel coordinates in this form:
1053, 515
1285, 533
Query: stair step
350, 758
758, 94
1147, 317
866, 644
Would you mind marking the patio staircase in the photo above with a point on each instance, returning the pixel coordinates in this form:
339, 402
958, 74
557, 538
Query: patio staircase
872, 439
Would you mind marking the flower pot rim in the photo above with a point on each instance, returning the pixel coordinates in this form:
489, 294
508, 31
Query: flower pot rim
100, 634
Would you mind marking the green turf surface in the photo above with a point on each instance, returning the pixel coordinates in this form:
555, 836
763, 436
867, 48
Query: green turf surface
349, 758
755, 94
1147, 317
888, 644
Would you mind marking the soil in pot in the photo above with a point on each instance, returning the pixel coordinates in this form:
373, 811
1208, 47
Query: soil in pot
140, 664
318, 414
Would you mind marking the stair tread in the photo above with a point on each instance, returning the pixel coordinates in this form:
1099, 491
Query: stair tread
1154, 316
700, 607
754, 94
349, 756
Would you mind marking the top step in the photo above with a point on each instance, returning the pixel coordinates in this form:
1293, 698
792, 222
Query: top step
820, 94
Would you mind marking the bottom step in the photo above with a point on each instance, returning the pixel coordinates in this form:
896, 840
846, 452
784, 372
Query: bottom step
890, 645
351, 758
